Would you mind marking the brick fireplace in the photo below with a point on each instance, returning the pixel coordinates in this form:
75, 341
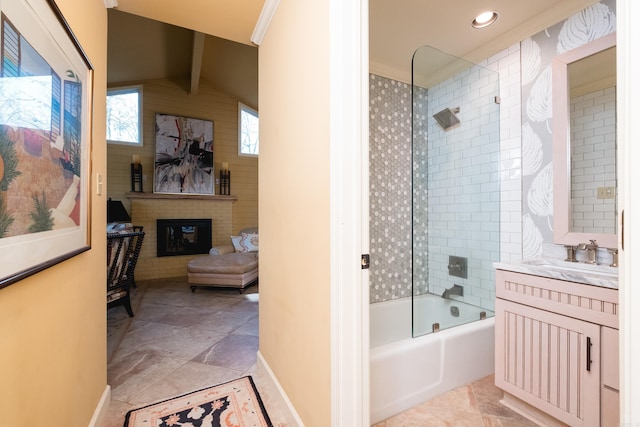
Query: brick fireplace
147, 208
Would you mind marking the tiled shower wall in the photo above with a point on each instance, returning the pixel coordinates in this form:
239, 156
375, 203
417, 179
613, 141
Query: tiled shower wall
389, 188
390, 179
461, 201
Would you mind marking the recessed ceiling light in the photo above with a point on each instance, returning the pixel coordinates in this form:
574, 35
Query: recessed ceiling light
484, 19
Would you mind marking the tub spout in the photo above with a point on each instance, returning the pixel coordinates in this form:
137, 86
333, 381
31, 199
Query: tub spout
454, 290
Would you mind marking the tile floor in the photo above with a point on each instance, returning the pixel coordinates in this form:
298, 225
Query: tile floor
472, 405
181, 341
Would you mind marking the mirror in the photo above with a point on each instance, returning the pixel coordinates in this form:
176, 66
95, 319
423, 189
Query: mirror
584, 144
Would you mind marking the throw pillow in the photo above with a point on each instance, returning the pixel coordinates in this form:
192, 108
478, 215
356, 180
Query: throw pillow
235, 240
249, 242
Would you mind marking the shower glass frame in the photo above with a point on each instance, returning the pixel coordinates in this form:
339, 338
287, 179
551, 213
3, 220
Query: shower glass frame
455, 184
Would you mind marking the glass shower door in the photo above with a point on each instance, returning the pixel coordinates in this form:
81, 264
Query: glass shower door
455, 190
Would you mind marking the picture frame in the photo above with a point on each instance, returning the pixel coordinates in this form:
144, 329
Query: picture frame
183, 156
46, 90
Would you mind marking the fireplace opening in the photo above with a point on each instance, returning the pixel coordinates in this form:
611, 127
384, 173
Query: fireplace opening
183, 236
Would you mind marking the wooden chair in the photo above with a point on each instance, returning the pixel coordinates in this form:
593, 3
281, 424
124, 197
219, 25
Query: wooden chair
123, 250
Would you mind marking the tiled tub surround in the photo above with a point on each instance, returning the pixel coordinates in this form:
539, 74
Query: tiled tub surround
390, 188
390, 178
456, 184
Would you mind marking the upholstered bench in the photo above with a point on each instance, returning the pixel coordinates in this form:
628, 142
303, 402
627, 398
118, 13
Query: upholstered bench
234, 270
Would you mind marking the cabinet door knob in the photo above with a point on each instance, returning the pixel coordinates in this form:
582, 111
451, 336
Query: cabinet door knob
589, 354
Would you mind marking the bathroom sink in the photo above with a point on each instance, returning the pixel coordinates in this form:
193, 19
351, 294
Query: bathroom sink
574, 267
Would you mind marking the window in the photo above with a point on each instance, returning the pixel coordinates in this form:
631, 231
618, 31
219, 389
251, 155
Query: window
124, 115
27, 102
248, 142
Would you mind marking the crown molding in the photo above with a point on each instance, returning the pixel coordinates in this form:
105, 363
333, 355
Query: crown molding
268, 10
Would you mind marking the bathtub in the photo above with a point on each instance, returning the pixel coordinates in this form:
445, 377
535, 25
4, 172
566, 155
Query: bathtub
407, 371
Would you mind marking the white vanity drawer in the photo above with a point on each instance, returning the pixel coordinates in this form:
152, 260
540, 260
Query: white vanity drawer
586, 302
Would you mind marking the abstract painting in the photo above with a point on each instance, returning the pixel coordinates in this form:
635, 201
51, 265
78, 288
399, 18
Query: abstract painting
184, 155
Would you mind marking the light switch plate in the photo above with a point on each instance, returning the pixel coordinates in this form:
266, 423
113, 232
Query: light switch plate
606, 192
99, 184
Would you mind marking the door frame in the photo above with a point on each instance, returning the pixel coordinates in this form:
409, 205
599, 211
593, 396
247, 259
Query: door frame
349, 205
628, 92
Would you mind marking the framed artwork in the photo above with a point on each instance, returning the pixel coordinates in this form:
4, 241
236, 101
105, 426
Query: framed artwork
45, 140
184, 156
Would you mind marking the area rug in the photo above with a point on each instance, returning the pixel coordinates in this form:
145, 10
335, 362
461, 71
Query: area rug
235, 403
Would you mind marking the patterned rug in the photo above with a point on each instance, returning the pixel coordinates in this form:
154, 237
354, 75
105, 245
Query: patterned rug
236, 403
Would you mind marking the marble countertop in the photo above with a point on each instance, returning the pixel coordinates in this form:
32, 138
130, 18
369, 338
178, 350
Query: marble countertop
590, 274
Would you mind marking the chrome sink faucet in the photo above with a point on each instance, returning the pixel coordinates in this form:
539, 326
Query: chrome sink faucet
614, 256
591, 249
571, 253
454, 290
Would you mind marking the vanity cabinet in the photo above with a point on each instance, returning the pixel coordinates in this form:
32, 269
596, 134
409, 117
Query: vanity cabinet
554, 343
610, 390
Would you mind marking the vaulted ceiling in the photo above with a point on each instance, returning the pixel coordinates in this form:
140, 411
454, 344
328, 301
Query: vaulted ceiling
228, 19
211, 39
142, 49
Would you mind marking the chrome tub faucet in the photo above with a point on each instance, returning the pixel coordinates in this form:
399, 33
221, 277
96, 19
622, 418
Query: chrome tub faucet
454, 290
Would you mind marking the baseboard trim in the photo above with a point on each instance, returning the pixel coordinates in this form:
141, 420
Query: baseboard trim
530, 412
264, 372
101, 410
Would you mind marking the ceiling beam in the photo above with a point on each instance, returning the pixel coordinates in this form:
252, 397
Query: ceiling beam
196, 61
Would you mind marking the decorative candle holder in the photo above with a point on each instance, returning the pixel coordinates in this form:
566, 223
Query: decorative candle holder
136, 178
225, 183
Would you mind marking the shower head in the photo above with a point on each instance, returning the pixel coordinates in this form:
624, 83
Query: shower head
447, 118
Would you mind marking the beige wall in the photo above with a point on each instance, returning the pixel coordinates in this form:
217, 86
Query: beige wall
294, 206
53, 324
164, 96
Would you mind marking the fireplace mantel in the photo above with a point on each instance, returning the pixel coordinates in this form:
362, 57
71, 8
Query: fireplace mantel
135, 195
